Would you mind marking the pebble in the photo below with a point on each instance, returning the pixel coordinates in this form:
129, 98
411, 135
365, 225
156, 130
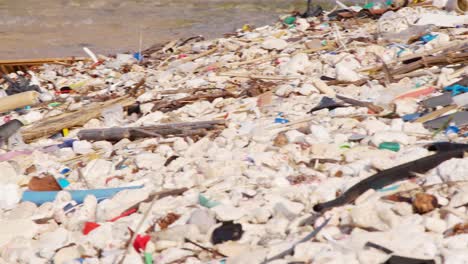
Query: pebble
274, 44
82, 147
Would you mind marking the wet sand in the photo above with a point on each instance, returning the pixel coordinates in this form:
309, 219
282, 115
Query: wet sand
55, 28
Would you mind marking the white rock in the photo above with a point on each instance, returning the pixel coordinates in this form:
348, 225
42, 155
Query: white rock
295, 65
366, 216
307, 89
453, 170
150, 161
419, 128
96, 171
307, 250
17, 228
372, 126
111, 208
320, 133
146, 108
232, 248
9, 196
302, 24
435, 224
284, 90
406, 106
460, 198
260, 215
390, 136
274, 44
228, 212
150, 119
172, 254
187, 67
9, 173
203, 219
455, 256
295, 136
254, 256
106, 146
32, 117
82, 147
180, 145
50, 241
288, 209
345, 70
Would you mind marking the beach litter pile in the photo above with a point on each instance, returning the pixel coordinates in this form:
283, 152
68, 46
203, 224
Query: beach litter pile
329, 137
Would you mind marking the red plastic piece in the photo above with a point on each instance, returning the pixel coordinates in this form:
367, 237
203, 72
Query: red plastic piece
140, 242
90, 226
124, 214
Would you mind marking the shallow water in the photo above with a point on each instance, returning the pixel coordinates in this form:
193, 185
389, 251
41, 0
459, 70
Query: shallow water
55, 28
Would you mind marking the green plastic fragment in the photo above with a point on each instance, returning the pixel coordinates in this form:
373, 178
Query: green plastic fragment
393, 146
389, 2
207, 202
148, 258
368, 5
345, 146
54, 104
289, 20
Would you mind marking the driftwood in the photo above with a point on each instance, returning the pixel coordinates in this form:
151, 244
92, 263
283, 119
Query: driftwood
170, 105
50, 126
8, 66
370, 106
174, 129
423, 62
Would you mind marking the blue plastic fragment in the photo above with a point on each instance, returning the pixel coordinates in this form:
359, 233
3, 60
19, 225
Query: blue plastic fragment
456, 89
40, 198
65, 171
452, 129
388, 189
428, 37
64, 183
280, 120
411, 117
67, 143
137, 56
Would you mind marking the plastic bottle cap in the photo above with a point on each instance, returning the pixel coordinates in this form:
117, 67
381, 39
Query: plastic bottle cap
289, 20
393, 146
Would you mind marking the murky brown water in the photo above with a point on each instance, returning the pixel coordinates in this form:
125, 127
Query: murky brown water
54, 28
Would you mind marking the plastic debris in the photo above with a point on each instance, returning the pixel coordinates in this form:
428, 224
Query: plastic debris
424, 203
228, 231
9, 129
392, 175
393, 146
139, 244
456, 89
77, 196
199, 150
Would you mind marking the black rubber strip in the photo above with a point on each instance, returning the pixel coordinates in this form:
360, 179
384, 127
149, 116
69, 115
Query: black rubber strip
398, 173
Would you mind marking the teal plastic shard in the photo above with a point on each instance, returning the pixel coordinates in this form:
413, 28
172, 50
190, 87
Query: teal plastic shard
205, 202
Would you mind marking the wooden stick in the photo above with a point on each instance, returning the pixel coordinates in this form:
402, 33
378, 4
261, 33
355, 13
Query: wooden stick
450, 58
175, 129
435, 114
255, 76
451, 46
171, 105
40, 61
49, 126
